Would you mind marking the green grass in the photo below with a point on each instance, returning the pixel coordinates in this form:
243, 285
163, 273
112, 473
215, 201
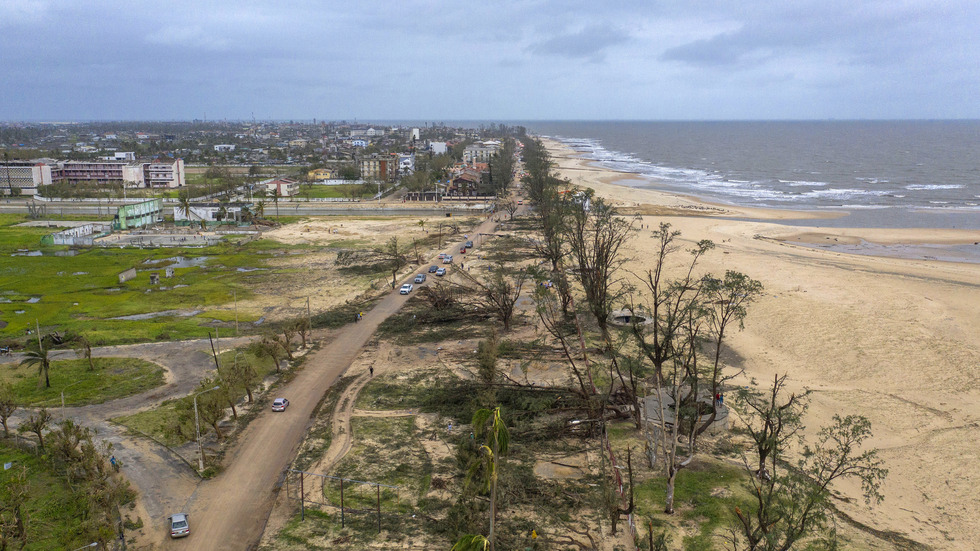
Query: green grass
157, 422
82, 293
704, 497
112, 378
52, 509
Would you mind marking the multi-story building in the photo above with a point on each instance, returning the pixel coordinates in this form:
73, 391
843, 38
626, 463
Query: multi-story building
480, 152
164, 173
379, 167
29, 175
24, 176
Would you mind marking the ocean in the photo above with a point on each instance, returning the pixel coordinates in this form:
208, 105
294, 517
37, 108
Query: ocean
918, 174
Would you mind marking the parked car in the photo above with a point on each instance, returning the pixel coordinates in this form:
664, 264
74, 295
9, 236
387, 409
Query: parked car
432, 269
178, 526
420, 278
520, 202
406, 289
442, 255
448, 259
469, 245
280, 404
462, 250
441, 272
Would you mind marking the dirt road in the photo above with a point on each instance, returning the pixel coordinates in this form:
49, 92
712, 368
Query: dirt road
230, 511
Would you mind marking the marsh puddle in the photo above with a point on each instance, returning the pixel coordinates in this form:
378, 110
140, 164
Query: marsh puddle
27, 253
176, 262
151, 315
33, 300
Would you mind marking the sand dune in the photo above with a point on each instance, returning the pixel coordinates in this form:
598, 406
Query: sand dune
896, 340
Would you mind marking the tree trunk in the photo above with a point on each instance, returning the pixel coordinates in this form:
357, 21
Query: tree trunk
671, 478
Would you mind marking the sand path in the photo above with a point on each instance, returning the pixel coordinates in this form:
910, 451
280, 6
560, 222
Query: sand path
230, 511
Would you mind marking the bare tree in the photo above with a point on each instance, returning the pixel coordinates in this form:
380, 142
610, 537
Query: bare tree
509, 206
499, 292
596, 235
83, 348
770, 422
794, 503
8, 405
37, 423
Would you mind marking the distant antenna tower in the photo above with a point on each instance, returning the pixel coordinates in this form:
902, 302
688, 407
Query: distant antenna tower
253, 117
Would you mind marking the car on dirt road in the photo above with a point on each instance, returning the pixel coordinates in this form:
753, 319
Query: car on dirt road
432, 269
406, 289
178, 526
280, 404
448, 259
469, 245
441, 272
420, 278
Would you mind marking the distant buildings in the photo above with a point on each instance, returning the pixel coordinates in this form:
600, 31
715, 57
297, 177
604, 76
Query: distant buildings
28, 176
224, 147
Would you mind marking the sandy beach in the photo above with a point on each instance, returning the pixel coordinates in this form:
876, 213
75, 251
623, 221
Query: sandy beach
894, 339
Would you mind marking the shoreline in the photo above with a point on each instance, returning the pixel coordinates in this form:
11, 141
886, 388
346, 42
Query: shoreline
784, 225
889, 338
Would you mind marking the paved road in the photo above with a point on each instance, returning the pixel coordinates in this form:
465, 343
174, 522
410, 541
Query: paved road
230, 511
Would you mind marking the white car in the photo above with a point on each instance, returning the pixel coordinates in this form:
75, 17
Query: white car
448, 259
420, 278
280, 404
406, 289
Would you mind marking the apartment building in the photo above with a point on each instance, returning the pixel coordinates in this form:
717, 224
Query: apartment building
379, 167
24, 176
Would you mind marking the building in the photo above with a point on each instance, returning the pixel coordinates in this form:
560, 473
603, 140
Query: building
227, 213
138, 215
283, 187
24, 177
164, 173
225, 147
358, 143
379, 167
125, 173
438, 148
321, 174
414, 135
480, 152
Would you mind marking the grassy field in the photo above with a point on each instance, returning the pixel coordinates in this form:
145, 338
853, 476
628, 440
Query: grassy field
52, 509
112, 378
156, 422
82, 293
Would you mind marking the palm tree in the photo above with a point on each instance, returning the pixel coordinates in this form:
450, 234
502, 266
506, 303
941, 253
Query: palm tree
421, 224
184, 202
37, 355
489, 422
472, 542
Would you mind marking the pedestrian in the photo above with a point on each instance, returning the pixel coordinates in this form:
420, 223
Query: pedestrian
357, 318
721, 399
371, 370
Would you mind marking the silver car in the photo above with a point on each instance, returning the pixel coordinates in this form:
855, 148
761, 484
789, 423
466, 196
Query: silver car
178, 526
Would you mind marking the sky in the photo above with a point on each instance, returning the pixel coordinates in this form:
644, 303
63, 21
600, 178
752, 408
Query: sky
492, 60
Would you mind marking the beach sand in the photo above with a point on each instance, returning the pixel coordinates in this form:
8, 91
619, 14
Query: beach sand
893, 339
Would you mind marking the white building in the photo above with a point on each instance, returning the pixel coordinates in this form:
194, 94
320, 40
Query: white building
438, 148
24, 176
224, 147
415, 135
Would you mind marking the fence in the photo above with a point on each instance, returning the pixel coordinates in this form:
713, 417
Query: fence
302, 485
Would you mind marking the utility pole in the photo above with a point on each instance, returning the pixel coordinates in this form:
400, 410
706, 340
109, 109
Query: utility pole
309, 320
236, 312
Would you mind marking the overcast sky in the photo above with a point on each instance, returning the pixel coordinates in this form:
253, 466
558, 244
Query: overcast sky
505, 60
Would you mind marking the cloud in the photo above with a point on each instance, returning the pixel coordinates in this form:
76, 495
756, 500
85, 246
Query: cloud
588, 43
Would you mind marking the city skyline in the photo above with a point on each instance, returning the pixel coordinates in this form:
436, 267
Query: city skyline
90, 60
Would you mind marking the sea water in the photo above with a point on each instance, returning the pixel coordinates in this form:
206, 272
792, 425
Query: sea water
882, 173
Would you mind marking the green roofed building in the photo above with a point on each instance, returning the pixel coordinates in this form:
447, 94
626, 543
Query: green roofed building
138, 215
